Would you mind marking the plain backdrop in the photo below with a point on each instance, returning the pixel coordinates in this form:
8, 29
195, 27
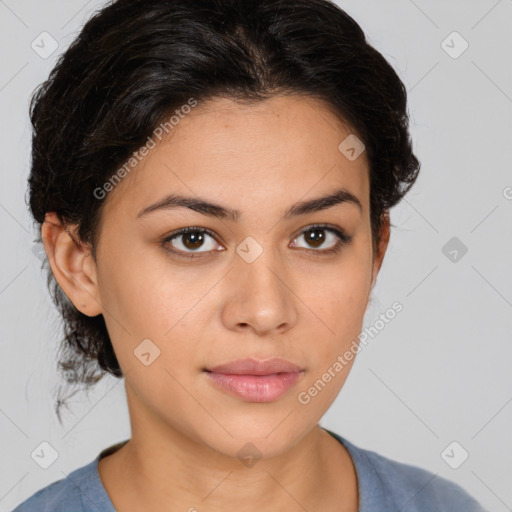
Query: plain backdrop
434, 385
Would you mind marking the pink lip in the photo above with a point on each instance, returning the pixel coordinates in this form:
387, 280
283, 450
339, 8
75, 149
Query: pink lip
254, 380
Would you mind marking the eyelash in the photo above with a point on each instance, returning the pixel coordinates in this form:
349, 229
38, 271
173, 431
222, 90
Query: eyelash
343, 239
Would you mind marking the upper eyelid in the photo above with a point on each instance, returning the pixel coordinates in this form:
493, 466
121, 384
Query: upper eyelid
303, 230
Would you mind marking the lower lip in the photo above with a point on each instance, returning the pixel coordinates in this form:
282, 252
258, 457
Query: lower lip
256, 388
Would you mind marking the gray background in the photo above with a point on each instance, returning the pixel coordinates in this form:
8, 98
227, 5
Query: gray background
439, 372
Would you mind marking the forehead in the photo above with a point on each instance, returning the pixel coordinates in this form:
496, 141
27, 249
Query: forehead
245, 154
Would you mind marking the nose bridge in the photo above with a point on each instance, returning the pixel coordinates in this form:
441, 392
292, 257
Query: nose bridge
259, 269
260, 297
260, 277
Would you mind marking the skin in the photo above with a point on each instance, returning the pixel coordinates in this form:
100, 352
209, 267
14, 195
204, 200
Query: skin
291, 302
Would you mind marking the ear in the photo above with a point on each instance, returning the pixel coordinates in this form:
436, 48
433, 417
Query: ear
381, 247
72, 265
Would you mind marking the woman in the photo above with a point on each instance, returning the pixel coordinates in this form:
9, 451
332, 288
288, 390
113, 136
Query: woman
212, 181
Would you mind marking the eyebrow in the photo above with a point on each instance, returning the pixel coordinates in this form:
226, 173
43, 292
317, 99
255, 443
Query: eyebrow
340, 196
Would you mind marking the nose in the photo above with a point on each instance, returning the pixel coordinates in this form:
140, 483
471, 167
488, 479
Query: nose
259, 296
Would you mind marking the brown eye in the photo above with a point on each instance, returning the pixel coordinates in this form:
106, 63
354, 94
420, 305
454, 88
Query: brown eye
188, 241
193, 240
316, 237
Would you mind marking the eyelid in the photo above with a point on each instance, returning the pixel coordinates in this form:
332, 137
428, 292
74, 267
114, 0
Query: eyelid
165, 243
343, 239
340, 233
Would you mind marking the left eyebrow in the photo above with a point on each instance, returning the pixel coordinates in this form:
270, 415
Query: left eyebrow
340, 196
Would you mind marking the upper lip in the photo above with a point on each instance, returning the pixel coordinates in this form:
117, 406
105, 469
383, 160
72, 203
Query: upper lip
256, 367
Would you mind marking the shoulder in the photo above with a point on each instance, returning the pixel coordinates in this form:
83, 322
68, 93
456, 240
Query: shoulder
406, 487
420, 490
70, 493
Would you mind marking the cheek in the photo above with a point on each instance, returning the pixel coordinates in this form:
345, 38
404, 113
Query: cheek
339, 300
338, 296
145, 298
340, 303
145, 292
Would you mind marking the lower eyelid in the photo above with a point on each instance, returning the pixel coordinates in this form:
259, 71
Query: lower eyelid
175, 236
342, 239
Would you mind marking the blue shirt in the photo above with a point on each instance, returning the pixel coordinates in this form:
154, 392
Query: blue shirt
384, 486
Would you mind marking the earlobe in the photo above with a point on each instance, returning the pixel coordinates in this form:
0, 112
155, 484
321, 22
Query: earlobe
72, 265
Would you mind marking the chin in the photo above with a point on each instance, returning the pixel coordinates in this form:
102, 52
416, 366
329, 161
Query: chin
255, 438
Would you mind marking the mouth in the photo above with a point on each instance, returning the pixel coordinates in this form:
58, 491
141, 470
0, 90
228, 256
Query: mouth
255, 380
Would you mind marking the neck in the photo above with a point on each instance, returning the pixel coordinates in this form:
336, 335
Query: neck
170, 471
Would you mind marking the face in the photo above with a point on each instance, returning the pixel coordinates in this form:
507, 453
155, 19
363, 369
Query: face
258, 277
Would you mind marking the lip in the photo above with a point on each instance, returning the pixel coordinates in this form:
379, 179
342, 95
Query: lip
255, 380
253, 366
